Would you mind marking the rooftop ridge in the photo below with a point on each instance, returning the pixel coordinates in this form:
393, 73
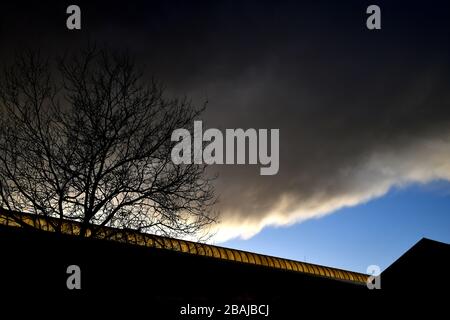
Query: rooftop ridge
24, 220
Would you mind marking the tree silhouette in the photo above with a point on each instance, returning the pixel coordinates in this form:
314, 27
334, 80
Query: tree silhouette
88, 139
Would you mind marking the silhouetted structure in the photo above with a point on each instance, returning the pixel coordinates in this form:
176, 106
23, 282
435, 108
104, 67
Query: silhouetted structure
34, 222
166, 274
420, 269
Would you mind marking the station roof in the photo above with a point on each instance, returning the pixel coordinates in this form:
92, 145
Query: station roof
23, 220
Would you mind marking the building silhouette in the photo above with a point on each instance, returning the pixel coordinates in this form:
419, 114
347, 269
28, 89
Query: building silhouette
168, 273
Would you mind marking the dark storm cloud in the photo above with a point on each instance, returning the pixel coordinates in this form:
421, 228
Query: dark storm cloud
358, 111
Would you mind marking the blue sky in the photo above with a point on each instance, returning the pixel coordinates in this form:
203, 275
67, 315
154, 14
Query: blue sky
377, 232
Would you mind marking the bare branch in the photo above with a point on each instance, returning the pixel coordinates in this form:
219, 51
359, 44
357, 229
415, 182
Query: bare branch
90, 140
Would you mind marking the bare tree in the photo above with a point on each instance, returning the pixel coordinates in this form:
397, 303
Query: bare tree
89, 140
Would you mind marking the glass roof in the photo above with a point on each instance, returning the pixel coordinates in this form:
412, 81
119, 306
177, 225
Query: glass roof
188, 247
